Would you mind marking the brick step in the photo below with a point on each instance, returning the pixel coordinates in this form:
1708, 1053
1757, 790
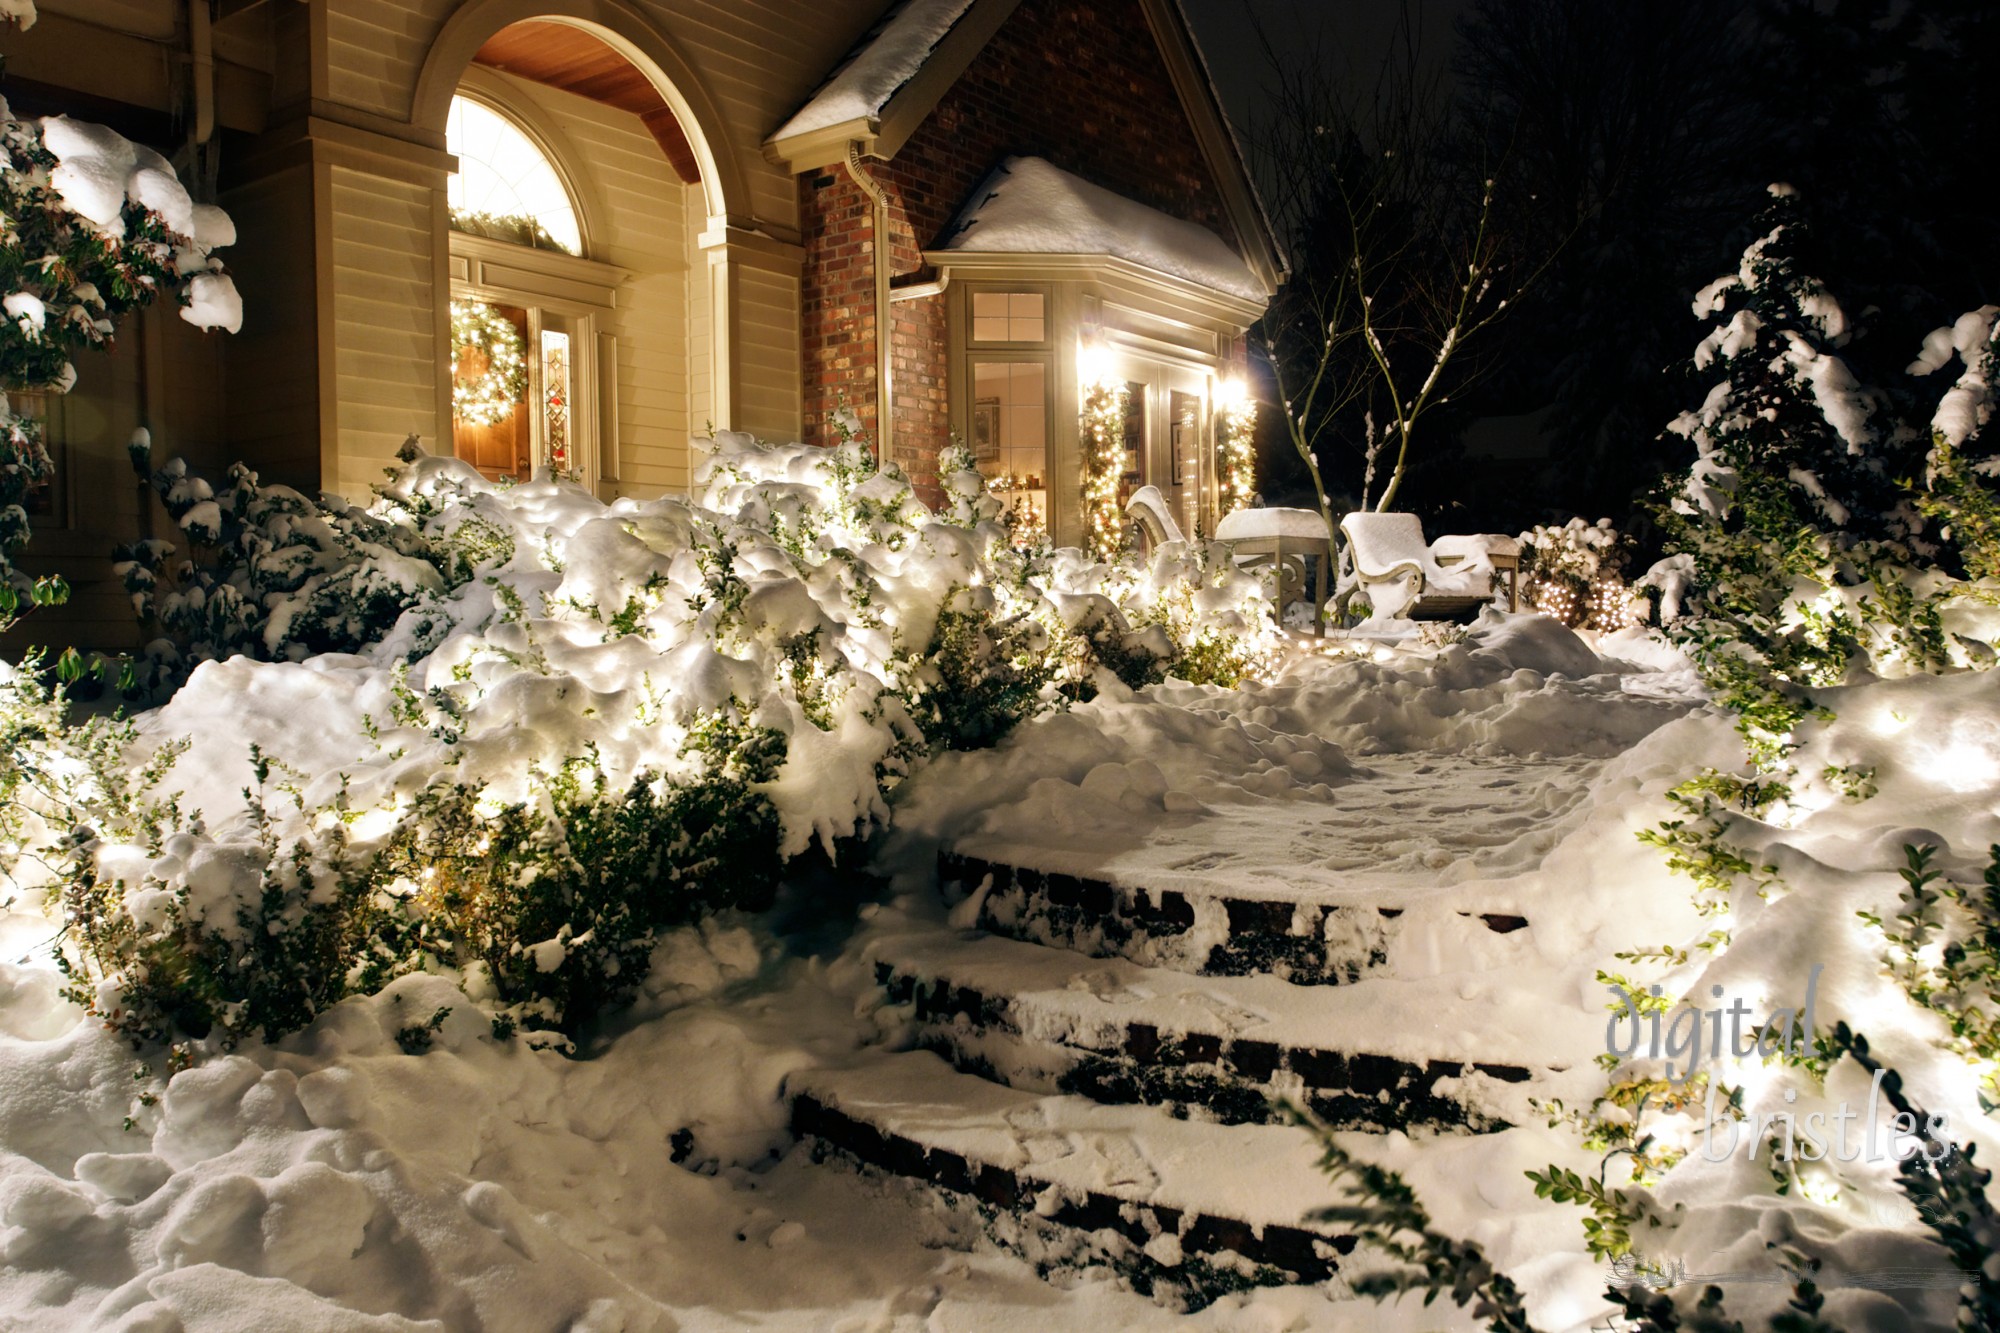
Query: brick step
1184, 1211
1378, 1056
1216, 934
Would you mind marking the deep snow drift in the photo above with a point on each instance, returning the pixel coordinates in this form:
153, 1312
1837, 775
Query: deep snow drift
335, 1178
334, 1181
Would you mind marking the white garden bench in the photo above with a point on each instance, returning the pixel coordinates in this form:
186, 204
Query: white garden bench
1404, 576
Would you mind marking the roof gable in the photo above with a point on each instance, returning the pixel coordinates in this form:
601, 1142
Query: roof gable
889, 84
1029, 206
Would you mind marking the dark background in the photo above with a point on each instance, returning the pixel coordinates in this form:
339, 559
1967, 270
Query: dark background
1634, 146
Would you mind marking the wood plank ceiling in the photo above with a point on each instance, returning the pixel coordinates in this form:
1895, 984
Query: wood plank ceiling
568, 58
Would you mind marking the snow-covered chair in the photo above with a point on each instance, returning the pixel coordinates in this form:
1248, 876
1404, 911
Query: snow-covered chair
1149, 508
1295, 541
1406, 577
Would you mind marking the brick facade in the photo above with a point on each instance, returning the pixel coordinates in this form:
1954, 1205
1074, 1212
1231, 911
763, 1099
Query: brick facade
1078, 82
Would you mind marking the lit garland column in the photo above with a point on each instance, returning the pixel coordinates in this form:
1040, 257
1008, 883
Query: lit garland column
1103, 438
1236, 427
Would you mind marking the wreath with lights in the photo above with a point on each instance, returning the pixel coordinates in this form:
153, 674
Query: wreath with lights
489, 364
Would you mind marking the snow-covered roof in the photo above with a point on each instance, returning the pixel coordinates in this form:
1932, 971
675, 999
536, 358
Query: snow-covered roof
886, 59
1029, 206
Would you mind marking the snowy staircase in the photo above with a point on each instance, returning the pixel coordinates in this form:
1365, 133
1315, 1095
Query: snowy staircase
1188, 929
1102, 1064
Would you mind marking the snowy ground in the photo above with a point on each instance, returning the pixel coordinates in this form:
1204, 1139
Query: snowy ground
335, 1182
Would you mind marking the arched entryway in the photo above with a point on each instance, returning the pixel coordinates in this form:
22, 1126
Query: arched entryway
613, 312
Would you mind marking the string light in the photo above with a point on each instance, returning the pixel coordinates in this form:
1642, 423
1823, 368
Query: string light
489, 364
1604, 605
1102, 427
1236, 425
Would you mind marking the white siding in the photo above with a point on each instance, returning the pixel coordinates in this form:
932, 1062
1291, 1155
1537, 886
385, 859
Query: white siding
756, 61
759, 60
767, 352
384, 344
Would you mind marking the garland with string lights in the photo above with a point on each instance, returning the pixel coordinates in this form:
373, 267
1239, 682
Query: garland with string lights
489, 364
1103, 431
1236, 426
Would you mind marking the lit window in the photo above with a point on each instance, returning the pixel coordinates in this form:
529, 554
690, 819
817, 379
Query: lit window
504, 186
1007, 317
1010, 437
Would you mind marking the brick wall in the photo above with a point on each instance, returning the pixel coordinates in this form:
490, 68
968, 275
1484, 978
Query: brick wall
1078, 82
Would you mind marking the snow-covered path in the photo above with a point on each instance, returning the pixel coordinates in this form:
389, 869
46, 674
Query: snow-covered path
336, 1182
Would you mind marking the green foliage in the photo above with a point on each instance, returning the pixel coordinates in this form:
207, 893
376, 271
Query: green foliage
62, 783
1613, 1213
555, 904
1694, 842
980, 676
416, 1038
275, 576
1944, 952
514, 228
82, 277
1387, 1214
1950, 1195
1799, 536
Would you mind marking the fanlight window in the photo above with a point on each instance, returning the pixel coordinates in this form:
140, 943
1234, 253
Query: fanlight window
504, 186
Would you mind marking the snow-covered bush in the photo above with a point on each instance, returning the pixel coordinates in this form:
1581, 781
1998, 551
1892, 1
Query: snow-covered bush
1805, 553
981, 676
549, 907
528, 731
91, 226
1573, 571
1958, 495
272, 575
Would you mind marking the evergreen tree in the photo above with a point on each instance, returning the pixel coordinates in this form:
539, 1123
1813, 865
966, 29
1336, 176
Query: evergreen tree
1800, 538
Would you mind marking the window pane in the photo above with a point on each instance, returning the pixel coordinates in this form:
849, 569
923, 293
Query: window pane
989, 316
1024, 317
1010, 432
502, 177
556, 400
1008, 317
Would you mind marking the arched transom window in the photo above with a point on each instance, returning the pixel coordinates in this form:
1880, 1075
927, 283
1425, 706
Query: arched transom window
505, 187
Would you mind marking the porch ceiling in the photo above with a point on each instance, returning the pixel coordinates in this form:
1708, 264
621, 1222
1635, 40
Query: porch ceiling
569, 58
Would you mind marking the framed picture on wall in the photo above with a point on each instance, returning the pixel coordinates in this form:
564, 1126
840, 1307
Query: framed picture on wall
986, 429
1184, 456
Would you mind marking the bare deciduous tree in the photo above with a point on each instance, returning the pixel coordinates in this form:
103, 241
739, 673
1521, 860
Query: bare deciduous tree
1397, 262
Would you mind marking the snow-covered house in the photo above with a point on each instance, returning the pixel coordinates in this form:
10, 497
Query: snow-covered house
674, 210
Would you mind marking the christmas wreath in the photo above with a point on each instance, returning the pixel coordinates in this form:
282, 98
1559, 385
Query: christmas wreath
489, 364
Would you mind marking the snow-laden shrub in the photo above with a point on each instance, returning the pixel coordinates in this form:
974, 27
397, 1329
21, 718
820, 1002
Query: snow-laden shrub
91, 226
549, 907
981, 675
1807, 559
1574, 572
62, 782
1959, 489
273, 575
585, 723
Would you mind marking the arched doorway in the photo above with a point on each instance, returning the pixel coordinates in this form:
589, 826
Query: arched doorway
574, 243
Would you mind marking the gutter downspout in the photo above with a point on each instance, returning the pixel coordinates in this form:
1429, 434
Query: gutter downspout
885, 409
203, 43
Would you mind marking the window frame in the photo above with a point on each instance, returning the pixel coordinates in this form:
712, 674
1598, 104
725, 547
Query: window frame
492, 101
1046, 343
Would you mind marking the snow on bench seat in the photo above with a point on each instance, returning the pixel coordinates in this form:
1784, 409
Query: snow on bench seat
1264, 524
